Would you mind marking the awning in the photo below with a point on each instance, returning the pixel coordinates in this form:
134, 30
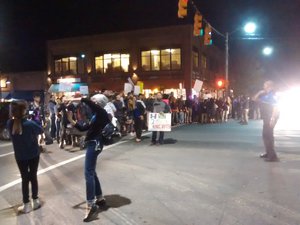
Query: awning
69, 87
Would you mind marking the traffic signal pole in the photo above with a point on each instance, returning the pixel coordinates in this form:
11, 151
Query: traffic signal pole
226, 63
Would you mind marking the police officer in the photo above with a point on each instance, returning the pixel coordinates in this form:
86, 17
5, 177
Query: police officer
269, 115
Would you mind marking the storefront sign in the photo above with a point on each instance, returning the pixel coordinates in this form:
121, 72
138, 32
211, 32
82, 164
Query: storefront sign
84, 90
159, 121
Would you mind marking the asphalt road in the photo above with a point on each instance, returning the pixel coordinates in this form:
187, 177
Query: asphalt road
203, 175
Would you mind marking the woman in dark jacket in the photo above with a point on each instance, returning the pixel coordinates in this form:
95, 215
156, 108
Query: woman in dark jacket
24, 135
94, 196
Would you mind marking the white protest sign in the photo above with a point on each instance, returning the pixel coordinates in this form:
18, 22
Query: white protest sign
127, 88
198, 85
84, 90
137, 90
159, 121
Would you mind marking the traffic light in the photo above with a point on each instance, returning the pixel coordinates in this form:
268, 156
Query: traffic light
207, 35
197, 24
182, 8
220, 83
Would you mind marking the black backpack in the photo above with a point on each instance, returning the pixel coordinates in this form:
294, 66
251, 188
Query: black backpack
107, 133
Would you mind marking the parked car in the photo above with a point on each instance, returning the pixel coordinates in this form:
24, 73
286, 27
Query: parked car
4, 116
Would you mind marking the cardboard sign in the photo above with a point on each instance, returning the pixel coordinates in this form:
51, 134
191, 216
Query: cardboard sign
159, 121
198, 86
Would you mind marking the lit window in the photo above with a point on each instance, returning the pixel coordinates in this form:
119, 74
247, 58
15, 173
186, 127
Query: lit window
67, 65
125, 62
176, 59
155, 60
165, 59
99, 64
112, 63
146, 60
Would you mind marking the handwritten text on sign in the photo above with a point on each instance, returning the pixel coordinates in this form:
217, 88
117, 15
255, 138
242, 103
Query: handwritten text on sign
159, 122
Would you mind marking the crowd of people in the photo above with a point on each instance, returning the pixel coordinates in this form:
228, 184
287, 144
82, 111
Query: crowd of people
129, 113
66, 121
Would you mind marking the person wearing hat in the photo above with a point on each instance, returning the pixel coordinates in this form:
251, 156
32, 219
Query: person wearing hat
94, 196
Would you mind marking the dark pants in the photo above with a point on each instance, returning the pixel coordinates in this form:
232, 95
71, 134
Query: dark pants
93, 187
138, 126
28, 170
161, 137
52, 126
268, 138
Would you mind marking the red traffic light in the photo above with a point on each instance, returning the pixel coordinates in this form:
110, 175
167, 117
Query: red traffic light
220, 83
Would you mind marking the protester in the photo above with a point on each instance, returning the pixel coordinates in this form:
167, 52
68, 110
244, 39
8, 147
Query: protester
139, 117
53, 111
159, 106
24, 135
94, 195
269, 115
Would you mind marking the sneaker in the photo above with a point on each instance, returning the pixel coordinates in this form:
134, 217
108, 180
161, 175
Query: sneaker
101, 202
36, 204
263, 155
91, 213
138, 140
25, 208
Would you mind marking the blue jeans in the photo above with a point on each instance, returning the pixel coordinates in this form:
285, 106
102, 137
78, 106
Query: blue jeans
161, 137
93, 187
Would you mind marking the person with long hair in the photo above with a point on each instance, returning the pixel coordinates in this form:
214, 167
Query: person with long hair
94, 143
24, 135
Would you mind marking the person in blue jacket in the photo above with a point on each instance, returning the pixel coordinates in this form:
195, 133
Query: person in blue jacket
24, 135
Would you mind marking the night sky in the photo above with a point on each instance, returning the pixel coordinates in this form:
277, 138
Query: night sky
26, 25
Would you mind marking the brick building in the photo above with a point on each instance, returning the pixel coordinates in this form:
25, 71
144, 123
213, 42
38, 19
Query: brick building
162, 58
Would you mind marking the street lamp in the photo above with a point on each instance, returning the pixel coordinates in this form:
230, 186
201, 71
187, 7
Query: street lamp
267, 50
249, 29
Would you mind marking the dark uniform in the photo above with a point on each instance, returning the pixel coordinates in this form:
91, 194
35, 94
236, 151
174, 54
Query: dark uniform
267, 104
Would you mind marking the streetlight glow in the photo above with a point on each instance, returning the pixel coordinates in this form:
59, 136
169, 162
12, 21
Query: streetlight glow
268, 51
250, 28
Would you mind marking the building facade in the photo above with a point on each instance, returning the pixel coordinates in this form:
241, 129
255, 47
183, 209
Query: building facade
161, 58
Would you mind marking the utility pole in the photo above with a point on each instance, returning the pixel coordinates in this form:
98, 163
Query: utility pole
226, 63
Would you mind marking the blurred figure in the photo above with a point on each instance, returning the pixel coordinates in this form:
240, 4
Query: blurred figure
53, 111
269, 115
24, 135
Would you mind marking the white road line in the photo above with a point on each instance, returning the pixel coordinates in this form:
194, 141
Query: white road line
10, 153
13, 183
5, 144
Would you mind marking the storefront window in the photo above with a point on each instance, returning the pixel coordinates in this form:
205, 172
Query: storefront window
112, 63
165, 59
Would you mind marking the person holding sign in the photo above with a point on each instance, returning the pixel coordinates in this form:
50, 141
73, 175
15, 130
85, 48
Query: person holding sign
159, 106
